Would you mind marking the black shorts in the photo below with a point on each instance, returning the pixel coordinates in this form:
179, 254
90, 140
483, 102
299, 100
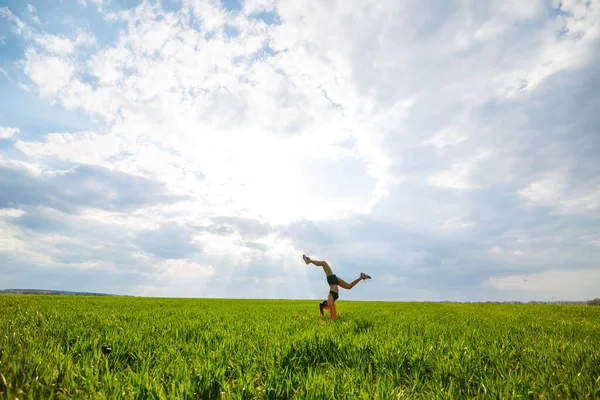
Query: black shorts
334, 294
332, 279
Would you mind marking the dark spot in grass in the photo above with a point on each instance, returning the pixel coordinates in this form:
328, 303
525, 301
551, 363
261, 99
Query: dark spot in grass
362, 326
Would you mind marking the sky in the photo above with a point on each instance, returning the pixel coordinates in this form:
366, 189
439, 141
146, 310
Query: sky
197, 148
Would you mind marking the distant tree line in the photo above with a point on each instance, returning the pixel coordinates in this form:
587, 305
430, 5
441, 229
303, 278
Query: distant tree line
53, 292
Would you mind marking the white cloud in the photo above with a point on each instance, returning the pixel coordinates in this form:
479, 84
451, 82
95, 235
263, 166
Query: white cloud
254, 6
62, 45
98, 3
544, 191
23, 86
515, 8
496, 249
184, 278
84, 38
10, 213
390, 279
82, 147
582, 202
29, 168
51, 74
49, 42
184, 269
9, 241
204, 106
143, 219
553, 190
459, 176
12, 241
566, 285
579, 21
55, 44
6, 132
183, 102
447, 137
456, 223
31, 9
228, 247
20, 26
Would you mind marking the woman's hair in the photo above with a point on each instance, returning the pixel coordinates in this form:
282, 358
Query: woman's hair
321, 305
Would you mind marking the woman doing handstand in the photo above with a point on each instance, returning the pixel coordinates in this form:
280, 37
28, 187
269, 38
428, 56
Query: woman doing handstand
333, 281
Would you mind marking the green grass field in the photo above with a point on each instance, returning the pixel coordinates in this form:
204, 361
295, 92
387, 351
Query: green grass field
50, 347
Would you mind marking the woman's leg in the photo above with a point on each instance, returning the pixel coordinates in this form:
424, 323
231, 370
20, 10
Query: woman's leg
323, 264
350, 285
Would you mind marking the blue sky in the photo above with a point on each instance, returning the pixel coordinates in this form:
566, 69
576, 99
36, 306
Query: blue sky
198, 148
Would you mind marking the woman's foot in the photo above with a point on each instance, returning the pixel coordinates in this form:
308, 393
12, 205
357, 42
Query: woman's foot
364, 276
305, 258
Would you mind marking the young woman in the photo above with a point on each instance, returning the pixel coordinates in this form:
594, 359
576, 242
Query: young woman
334, 282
